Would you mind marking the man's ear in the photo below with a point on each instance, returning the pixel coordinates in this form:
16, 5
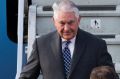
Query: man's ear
79, 18
53, 19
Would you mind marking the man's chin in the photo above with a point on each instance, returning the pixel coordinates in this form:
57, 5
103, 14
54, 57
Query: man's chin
67, 37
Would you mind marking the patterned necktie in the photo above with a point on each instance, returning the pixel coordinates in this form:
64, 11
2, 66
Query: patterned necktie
67, 58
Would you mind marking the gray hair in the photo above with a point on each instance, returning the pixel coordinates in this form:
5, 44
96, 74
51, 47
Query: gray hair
66, 6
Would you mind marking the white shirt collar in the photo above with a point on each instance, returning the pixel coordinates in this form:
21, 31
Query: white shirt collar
72, 40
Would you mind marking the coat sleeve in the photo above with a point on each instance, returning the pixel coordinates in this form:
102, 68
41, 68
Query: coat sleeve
104, 58
32, 68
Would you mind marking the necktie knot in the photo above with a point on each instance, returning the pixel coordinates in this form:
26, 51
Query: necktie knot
67, 43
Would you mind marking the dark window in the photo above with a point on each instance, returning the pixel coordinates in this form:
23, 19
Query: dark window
12, 19
12, 16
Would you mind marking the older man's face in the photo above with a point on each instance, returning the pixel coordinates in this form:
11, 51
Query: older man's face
66, 24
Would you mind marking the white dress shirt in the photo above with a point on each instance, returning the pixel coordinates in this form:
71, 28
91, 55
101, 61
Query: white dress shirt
70, 46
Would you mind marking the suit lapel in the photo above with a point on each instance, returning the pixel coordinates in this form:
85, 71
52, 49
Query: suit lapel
78, 51
57, 51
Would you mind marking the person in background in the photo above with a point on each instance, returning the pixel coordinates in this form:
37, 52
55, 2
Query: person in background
68, 52
103, 72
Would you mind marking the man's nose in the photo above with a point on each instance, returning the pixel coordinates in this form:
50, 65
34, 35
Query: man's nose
66, 27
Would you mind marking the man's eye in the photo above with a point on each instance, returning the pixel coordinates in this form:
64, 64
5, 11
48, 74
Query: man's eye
71, 22
62, 23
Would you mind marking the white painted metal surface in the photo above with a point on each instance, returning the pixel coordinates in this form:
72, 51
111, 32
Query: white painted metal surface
80, 2
20, 37
31, 28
